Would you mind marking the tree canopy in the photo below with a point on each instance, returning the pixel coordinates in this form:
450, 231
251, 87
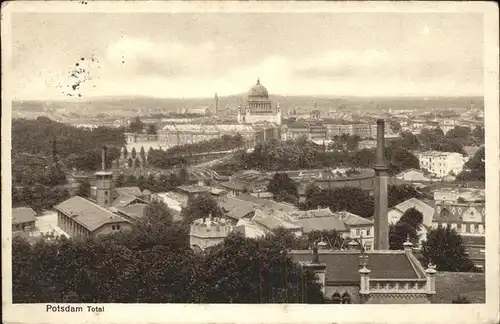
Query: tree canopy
474, 169
406, 228
283, 188
444, 247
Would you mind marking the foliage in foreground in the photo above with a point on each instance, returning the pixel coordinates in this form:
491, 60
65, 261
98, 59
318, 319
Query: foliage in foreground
154, 264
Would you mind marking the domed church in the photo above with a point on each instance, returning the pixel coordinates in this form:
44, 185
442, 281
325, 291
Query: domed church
259, 107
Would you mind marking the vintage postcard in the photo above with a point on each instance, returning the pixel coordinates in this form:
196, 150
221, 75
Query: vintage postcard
250, 162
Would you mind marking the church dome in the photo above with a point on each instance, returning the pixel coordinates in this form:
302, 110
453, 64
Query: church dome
258, 90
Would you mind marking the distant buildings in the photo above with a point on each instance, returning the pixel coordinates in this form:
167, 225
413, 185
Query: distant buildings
309, 131
441, 164
259, 107
413, 175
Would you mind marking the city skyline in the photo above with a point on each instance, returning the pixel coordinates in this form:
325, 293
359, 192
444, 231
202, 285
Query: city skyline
194, 55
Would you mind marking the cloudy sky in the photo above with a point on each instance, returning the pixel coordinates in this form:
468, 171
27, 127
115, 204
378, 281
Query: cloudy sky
198, 54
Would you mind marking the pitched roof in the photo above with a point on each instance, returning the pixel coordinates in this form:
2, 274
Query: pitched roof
193, 189
249, 229
23, 215
135, 211
343, 266
426, 210
311, 213
325, 223
134, 191
272, 222
125, 199
351, 219
87, 213
233, 185
267, 203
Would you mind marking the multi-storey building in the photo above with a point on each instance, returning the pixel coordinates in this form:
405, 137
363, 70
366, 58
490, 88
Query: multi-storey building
312, 132
259, 107
181, 134
207, 232
441, 164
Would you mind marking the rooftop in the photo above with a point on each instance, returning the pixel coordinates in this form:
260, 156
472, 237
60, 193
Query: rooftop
23, 215
324, 223
134, 191
351, 219
343, 266
135, 211
87, 213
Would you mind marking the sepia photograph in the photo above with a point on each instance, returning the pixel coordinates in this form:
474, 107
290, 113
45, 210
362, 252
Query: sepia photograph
246, 156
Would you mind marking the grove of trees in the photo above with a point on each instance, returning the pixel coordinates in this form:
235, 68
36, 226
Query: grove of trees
154, 264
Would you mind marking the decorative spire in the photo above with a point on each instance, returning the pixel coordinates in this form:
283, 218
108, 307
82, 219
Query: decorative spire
258, 80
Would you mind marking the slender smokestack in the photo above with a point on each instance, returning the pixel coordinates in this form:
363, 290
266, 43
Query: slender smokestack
381, 220
103, 159
380, 142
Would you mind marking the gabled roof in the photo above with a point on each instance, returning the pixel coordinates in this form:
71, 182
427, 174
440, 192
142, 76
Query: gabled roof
23, 215
267, 203
249, 229
193, 189
325, 223
351, 219
343, 266
272, 222
125, 199
135, 211
233, 185
323, 212
426, 210
88, 214
134, 191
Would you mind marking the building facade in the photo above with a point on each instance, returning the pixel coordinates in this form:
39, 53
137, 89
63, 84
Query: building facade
370, 277
441, 164
259, 107
207, 232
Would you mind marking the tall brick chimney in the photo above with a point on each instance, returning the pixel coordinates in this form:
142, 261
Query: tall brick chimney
381, 179
103, 158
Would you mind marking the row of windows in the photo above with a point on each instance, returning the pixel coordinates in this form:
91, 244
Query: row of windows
345, 298
115, 227
473, 229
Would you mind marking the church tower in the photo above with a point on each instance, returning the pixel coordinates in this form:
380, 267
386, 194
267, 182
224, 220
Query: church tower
104, 184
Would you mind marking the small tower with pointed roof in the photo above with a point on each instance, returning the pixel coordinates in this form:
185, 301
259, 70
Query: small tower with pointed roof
104, 183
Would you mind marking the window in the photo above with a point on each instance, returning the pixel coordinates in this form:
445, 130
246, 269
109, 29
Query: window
105, 201
358, 232
473, 228
464, 228
117, 227
336, 299
346, 298
113, 227
368, 232
106, 193
481, 229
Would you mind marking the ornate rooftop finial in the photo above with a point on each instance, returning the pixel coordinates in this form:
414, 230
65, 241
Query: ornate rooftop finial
258, 80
